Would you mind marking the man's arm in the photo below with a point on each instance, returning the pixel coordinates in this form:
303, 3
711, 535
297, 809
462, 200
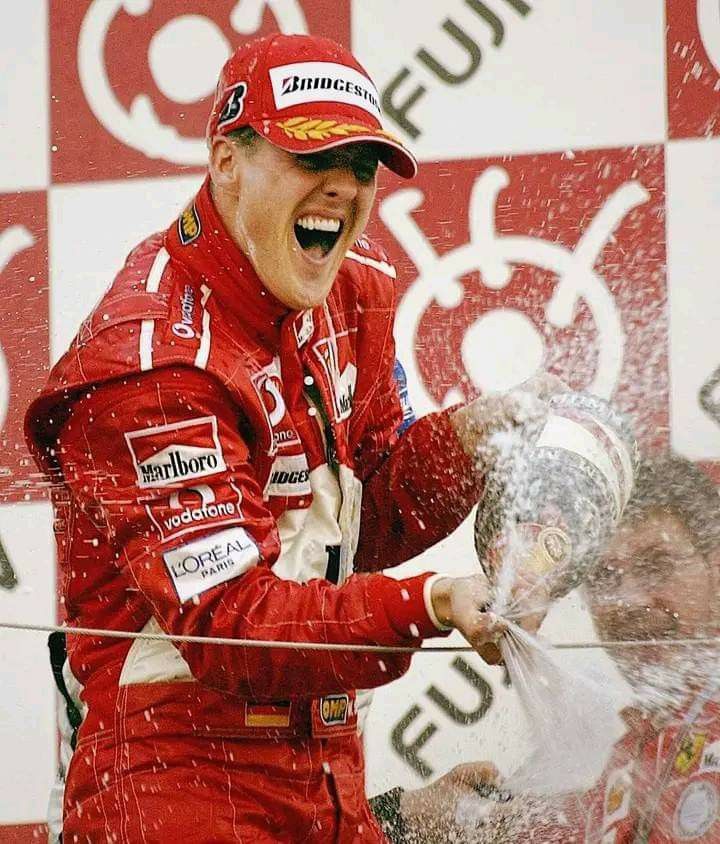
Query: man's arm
101, 454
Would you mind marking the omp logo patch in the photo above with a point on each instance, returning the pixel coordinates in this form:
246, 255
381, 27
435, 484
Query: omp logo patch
334, 709
289, 476
198, 566
233, 107
311, 82
189, 225
181, 451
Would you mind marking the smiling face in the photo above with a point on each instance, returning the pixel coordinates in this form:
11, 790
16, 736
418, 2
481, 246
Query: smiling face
294, 216
652, 583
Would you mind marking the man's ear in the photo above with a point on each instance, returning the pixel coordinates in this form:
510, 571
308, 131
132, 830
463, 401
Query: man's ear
224, 164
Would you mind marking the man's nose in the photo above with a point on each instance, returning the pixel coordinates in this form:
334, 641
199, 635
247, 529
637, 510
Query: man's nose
340, 183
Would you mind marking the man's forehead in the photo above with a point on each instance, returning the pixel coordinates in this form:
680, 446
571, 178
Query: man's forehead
653, 528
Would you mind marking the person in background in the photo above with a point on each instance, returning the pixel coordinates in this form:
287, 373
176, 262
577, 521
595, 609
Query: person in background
657, 580
223, 442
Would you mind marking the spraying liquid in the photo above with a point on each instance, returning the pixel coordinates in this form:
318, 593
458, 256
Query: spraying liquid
550, 505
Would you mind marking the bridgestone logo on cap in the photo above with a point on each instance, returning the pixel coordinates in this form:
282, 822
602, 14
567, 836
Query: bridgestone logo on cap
326, 82
171, 454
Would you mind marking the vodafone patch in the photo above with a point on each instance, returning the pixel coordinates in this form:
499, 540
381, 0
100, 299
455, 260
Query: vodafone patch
198, 566
171, 454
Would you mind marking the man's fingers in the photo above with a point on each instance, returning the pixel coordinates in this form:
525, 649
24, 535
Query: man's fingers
471, 774
490, 653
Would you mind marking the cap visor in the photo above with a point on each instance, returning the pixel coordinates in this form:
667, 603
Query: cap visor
313, 134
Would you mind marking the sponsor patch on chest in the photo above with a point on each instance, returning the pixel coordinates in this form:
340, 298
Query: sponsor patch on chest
289, 476
171, 454
207, 562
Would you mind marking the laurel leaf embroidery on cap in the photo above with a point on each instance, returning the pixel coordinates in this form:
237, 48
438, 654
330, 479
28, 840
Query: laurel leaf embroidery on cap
304, 128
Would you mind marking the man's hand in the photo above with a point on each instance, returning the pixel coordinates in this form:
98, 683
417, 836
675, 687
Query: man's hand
463, 603
429, 813
523, 408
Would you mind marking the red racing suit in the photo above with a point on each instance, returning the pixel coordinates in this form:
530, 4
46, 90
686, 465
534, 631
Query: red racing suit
223, 467
660, 786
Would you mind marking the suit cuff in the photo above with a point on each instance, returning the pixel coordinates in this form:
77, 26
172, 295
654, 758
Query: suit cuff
427, 596
406, 607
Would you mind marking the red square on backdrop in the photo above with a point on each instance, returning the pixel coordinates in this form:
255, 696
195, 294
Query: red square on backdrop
693, 68
132, 83
24, 336
554, 260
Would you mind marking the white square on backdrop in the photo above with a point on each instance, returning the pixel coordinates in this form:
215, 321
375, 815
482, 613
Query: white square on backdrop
93, 227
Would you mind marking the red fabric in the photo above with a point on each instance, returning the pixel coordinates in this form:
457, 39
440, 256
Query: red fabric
661, 785
180, 438
236, 791
661, 776
275, 85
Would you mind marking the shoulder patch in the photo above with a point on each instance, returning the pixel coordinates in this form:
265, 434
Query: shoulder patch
189, 227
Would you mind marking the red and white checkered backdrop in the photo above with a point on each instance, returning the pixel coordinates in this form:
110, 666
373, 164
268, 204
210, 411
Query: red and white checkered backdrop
566, 213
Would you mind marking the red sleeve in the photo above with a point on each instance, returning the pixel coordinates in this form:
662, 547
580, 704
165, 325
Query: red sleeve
417, 496
416, 488
115, 452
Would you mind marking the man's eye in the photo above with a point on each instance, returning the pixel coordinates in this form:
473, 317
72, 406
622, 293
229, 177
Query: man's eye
365, 172
311, 162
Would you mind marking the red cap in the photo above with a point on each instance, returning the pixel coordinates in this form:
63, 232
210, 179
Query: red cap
303, 94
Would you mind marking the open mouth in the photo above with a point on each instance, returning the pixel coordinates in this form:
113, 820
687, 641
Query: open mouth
318, 235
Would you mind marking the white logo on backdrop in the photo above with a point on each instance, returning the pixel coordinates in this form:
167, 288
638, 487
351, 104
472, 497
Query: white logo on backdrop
708, 13
185, 57
495, 255
13, 241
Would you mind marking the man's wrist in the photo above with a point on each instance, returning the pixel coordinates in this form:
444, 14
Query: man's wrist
440, 601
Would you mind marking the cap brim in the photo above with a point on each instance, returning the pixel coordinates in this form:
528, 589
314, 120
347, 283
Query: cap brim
308, 135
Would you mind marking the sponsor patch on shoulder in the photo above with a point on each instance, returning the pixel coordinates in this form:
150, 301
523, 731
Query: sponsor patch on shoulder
172, 454
207, 562
189, 225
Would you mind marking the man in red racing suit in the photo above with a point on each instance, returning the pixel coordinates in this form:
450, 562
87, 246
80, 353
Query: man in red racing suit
222, 437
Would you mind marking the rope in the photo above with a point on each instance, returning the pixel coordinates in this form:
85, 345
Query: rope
325, 646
